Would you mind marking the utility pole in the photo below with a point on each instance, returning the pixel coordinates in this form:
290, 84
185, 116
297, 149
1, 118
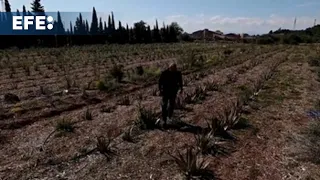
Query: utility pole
294, 23
315, 22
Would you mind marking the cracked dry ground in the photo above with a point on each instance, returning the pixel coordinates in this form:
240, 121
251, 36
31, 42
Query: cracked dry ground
261, 151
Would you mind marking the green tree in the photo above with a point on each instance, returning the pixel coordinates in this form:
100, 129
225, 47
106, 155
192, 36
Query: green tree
36, 6
156, 33
80, 27
139, 31
87, 29
59, 25
177, 28
94, 23
105, 28
24, 11
109, 22
148, 35
100, 26
7, 6
113, 24
71, 28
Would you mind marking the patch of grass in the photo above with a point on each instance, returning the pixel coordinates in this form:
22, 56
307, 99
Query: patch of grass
206, 143
180, 104
116, 72
317, 105
64, 125
203, 142
198, 95
88, 115
211, 86
107, 109
192, 61
245, 93
104, 146
219, 128
3, 139
269, 97
107, 86
310, 143
146, 118
192, 165
139, 70
128, 135
314, 61
68, 82
125, 101
149, 74
231, 114
231, 78
243, 123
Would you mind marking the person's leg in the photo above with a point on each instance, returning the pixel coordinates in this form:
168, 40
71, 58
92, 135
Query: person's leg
172, 102
164, 105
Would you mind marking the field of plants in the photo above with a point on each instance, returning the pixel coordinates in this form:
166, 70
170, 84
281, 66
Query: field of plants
89, 112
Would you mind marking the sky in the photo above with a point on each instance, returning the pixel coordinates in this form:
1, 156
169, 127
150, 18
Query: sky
237, 16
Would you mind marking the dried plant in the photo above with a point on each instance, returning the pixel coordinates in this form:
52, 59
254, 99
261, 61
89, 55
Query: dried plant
88, 115
117, 72
180, 104
199, 94
104, 146
68, 82
64, 125
191, 165
231, 78
211, 86
231, 114
125, 100
204, 142
128, 135
146, 118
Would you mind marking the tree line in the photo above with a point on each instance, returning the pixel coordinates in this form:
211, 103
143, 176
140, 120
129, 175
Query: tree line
98, 32
293, 37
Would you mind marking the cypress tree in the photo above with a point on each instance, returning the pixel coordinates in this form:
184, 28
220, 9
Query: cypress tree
80, 27
112, 19
59, 26
24, 11
71, 28
105, 28
109, 22
100, 26
7, 6
94, 23
36, 6
87, 29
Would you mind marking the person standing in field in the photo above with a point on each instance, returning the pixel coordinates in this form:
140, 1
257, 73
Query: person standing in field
170, 82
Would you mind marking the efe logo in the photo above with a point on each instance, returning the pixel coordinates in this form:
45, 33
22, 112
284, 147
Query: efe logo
23, 22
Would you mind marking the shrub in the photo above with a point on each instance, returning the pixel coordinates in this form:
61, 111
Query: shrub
64, 125
117, 72
146, 118
104, 147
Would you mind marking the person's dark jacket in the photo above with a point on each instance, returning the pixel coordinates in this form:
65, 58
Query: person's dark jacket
170, 82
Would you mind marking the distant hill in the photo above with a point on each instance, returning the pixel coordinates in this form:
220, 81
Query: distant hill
286, 36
